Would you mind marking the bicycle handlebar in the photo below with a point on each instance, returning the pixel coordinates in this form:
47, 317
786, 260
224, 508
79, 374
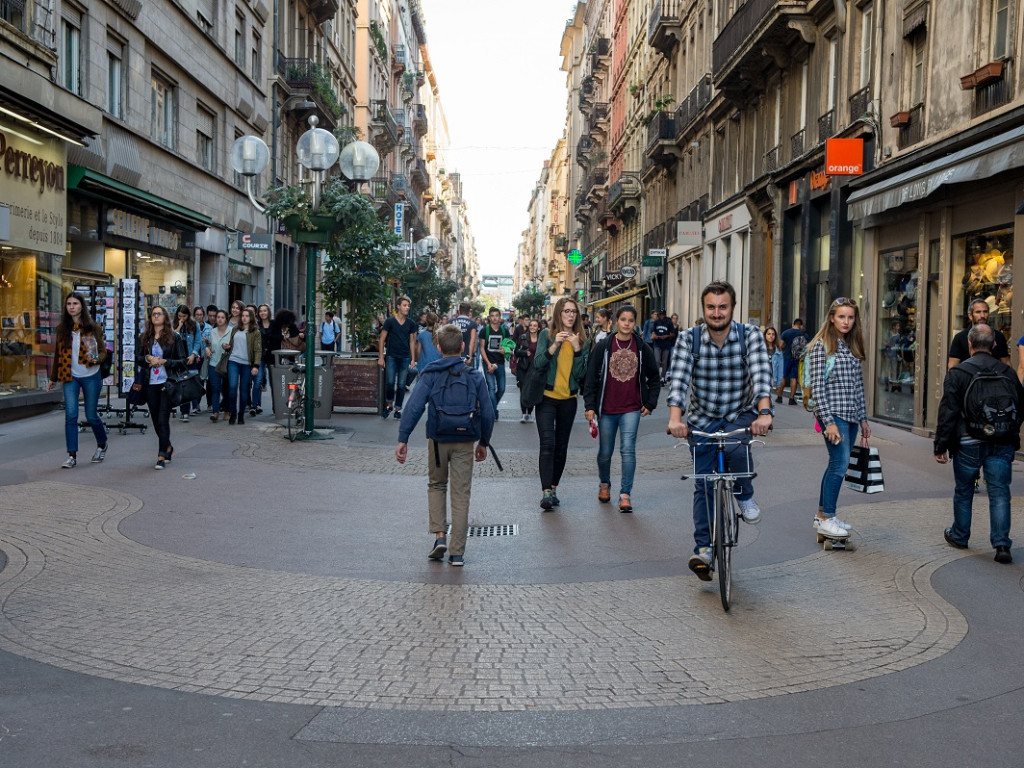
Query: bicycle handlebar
721, 435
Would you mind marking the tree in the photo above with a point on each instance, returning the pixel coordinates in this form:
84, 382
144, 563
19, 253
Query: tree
362, 249
529, 301
423, 283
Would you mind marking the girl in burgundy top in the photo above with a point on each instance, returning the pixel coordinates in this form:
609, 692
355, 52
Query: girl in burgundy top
621, 386
525, 353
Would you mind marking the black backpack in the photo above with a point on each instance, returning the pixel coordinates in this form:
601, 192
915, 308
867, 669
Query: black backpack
454, 414
990, 407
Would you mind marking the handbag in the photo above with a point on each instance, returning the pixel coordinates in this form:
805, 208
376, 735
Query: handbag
136, 395
183, 388
864, 472
534, 383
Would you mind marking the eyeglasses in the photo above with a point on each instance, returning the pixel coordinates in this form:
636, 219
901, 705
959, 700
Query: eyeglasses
842, 301
571, 311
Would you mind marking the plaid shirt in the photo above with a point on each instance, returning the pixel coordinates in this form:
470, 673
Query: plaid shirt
842, 395
724, 386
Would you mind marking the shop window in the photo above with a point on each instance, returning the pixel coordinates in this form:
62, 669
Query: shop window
987, 259
897, 335
30, 300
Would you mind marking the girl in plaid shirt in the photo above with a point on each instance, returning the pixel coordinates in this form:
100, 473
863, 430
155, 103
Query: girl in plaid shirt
835, 355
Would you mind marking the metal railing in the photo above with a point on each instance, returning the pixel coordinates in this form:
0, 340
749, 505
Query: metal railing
663, 12
598, 115
771, 160
661, 128
995, 94
738, 32
859, 103
694, 103
913, 131
826, 126
796, 143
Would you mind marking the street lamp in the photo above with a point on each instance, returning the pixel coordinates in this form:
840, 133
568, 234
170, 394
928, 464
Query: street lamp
316, 151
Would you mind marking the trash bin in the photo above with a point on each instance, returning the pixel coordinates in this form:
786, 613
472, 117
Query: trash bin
323, 382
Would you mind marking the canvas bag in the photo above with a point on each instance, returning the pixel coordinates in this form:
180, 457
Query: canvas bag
864, 472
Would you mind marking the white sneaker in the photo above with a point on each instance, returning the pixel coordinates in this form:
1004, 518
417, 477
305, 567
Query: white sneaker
749, 511
523, 419
700, 563
831, 527
846, 526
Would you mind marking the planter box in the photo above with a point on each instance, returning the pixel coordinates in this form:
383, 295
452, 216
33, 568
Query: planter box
900, 119
988, 73
325, 226
358, 385
967, 82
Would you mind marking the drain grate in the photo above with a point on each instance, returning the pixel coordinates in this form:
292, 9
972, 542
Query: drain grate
494, 530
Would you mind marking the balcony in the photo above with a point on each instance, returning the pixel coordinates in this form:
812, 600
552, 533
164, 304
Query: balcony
383, 128
771, 160
323, 10
596, 183
600, 55
859, 103
826, 126
583, 149
588, 90
582, 208
419, 178
624, 195
398, 59
664, 26
383, 194
996, 92
419, 120
911, 129
692, 107
400, 184
597, 121
305, 77
796, 143
661, 146
561, 243
758, 27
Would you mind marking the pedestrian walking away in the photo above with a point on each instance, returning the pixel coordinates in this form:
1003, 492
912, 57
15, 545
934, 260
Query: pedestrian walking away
187, 328
158, 352
621, 387
835, 356
493, 355
426, 343
79, 353
794, 344
526, 352
978, 428
244, 355
562, 359
396, 341
459, 415
468, 327
723, 385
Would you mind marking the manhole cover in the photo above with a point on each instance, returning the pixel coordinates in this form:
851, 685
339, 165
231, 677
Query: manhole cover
494, 530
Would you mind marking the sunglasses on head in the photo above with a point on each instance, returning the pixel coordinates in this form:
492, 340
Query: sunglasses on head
842, 301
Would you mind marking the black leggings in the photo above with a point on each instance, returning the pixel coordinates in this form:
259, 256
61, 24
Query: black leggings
520, 378
554, 426
160, 412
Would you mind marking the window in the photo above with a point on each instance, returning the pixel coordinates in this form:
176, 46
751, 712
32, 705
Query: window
833, 69
13, 12
1000, 28
867, 20
241, 181
71, 64
257, 56
206, 132
164, 112
115, 77
239, 39
918, 46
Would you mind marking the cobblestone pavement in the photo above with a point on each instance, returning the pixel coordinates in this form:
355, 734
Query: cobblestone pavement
79, 595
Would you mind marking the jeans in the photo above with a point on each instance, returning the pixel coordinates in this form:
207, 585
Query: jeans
838, 461
664, 357
239, 378
258, 382
90, 388
216, 383
736, 460
627, 425
997, 461
160, 413
496, 384
554, 426
396, 371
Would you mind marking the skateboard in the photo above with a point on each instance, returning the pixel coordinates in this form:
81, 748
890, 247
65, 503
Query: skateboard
835, 542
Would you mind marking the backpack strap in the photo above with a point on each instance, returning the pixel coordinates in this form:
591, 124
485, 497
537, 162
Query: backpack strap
695, 335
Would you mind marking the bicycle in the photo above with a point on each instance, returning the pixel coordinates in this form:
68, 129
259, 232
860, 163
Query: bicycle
723, 512
296, 405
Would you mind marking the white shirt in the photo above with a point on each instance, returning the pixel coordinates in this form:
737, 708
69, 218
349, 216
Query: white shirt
78, 370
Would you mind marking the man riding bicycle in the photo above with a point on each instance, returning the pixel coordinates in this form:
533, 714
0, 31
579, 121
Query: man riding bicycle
725, 370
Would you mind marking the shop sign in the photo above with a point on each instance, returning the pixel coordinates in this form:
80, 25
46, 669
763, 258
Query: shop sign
819, 181
689, 233
34, 187
655, 257
249, 242
399, 218
133, 227
628, 271
844, 157
725, 223
613, 278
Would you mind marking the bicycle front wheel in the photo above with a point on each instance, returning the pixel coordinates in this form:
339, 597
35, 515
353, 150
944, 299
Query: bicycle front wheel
723, 543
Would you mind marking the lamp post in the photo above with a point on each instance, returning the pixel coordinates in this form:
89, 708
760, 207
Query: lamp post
317, 151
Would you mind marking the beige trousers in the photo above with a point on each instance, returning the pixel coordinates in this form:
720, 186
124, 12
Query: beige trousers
456, 466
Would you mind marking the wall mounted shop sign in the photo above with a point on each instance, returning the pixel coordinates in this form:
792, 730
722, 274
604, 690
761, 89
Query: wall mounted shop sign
627, 271
844, 157
133, 227
33, 184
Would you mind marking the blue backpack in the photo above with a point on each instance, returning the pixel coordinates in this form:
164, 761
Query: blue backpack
695, 341
454, 414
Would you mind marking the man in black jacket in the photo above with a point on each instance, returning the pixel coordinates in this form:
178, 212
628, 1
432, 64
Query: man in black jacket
971, 450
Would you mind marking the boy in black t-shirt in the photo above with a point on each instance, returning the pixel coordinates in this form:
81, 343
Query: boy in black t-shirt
493, 355
395, 338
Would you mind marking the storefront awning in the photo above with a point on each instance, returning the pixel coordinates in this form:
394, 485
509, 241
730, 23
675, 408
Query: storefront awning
985, 159
619, 297
111, 190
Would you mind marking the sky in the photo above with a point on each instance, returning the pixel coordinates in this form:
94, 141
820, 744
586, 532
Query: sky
504, 98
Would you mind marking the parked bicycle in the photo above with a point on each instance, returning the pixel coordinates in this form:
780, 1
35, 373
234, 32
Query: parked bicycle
723, 509
296, 405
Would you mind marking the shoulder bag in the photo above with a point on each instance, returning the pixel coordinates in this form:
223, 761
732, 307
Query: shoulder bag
183, 387
536, 380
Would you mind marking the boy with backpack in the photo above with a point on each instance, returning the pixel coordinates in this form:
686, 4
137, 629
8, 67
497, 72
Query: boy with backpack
459, 415
978, 427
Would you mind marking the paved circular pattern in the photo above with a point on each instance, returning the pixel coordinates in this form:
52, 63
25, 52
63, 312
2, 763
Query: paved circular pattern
78, 595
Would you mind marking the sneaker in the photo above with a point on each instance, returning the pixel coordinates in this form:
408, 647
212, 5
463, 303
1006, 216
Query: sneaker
184, 417
252, 411
604, 493
547, 502
624, 503
554, 497
397, 414
1003, 555
529, 418
700, 563
197, 410
829, 527
792, 401
948, 536
386, 412
69, 463
778, 398
259, 411
100, 455
844, 525
160, 464
214, 417
440, 547
456, 561
523, 419
749, 511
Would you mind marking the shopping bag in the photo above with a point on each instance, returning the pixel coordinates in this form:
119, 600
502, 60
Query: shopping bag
183, 388
864, 473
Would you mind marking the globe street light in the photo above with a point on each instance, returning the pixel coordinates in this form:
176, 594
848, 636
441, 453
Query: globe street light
317, 151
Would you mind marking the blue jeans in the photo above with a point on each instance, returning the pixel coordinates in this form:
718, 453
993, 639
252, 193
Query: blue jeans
90, 387
239, 378
627, 424
496, 384
396, 371
257, 386
997, 461
216, 391
838, 462
736, 460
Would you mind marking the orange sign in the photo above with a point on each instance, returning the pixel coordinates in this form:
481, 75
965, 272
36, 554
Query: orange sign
844, 157
819, 180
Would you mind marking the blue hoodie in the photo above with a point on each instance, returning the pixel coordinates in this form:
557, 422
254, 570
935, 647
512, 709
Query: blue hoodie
418, 399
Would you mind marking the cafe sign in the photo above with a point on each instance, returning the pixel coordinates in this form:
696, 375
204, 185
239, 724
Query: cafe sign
134, 227
33, 184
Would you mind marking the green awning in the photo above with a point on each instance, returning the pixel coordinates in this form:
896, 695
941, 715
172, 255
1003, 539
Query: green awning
105, 188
